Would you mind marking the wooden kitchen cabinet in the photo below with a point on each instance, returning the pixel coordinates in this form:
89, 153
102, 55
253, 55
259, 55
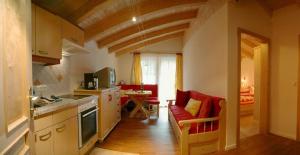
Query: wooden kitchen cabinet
44, 142
48, 40
66, 137
104, 123
57, 133
72, 32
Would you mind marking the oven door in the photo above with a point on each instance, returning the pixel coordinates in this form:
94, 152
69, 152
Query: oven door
88, 121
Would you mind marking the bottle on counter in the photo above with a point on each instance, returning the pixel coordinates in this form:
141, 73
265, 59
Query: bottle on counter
96, 82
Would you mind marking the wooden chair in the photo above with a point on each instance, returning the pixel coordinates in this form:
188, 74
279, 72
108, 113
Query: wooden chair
153, 102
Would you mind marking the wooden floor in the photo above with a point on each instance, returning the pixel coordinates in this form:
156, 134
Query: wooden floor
155, 137
146, 137
265, 145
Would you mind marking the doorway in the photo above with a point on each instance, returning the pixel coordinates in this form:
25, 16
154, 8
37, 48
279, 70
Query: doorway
298, 98
253, 91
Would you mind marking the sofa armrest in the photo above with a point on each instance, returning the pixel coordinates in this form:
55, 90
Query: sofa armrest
198, 120
171, 102
186, 124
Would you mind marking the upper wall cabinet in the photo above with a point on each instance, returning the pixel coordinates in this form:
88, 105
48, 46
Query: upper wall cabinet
47, 34
72, 32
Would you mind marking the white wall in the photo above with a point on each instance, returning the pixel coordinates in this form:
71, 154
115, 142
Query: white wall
173, 45
125, 61
247, 70
205, 55
125, 67
56, 77
249, 15
284, 62
211, 52
85, 63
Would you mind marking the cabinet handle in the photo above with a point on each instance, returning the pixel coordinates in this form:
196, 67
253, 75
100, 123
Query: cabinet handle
61, 129
43, 52
45, 137
109, 98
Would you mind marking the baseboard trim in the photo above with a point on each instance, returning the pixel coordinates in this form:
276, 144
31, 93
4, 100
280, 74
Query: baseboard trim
281, 134
230, 147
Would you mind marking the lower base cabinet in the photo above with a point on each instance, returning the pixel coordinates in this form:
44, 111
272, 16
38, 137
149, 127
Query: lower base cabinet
44, 142
66, 137
59, 139
109, 109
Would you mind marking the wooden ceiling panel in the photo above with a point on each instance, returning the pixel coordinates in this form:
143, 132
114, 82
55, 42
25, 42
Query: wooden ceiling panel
140, 9
187, 21
148, 25
149, 35
149, 42
68, 9
82, 10
271, 5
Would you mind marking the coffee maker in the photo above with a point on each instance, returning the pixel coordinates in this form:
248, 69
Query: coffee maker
90, 81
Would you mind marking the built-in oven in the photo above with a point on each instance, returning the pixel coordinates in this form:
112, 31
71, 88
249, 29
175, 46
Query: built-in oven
88, 121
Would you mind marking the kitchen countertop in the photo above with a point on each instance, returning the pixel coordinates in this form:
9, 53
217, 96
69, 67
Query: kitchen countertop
96, 90
65, 103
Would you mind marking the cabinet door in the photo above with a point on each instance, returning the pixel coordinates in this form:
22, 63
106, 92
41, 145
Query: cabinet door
44, 142
117, 102
72, 33
66, 137
15, 75
33, 28
48, 34
105, 115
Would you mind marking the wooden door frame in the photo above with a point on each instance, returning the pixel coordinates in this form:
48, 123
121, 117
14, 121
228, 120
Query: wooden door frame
266, 40
298, 95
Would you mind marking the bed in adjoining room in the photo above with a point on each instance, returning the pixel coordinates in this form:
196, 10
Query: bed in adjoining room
247, 101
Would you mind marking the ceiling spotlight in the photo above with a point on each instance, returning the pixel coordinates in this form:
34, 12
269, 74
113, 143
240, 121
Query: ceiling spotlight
133, 19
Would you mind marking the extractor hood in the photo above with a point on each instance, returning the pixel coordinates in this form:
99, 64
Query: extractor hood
69, 48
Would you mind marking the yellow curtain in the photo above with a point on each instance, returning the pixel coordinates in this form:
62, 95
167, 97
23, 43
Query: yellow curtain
179, 71
137, 68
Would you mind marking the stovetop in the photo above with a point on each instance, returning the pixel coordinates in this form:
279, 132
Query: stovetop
74, 97
44, 101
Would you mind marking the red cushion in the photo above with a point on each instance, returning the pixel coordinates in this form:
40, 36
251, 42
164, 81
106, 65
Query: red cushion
205, 108
180, 114
152, 98
124, 100
152, 101
182, 98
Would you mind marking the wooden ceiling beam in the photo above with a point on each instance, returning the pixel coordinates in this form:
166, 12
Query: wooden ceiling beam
149, 42
147, 25
89, 5
149, 35
143, 8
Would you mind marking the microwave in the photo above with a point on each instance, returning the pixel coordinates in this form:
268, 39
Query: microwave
106, 77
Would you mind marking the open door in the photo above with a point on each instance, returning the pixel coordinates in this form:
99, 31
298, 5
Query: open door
15, 76
253, 96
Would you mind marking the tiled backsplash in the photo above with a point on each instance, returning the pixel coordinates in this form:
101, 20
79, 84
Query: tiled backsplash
56, 77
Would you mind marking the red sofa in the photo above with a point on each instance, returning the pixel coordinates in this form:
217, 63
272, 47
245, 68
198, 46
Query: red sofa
153, 98
205, 127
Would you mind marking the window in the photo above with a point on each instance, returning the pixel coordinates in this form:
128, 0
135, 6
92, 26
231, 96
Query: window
160, 69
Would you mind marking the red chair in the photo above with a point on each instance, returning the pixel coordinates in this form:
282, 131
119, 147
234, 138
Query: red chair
153, 101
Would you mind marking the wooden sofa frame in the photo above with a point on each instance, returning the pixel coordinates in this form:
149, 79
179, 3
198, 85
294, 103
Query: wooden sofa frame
200, 143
